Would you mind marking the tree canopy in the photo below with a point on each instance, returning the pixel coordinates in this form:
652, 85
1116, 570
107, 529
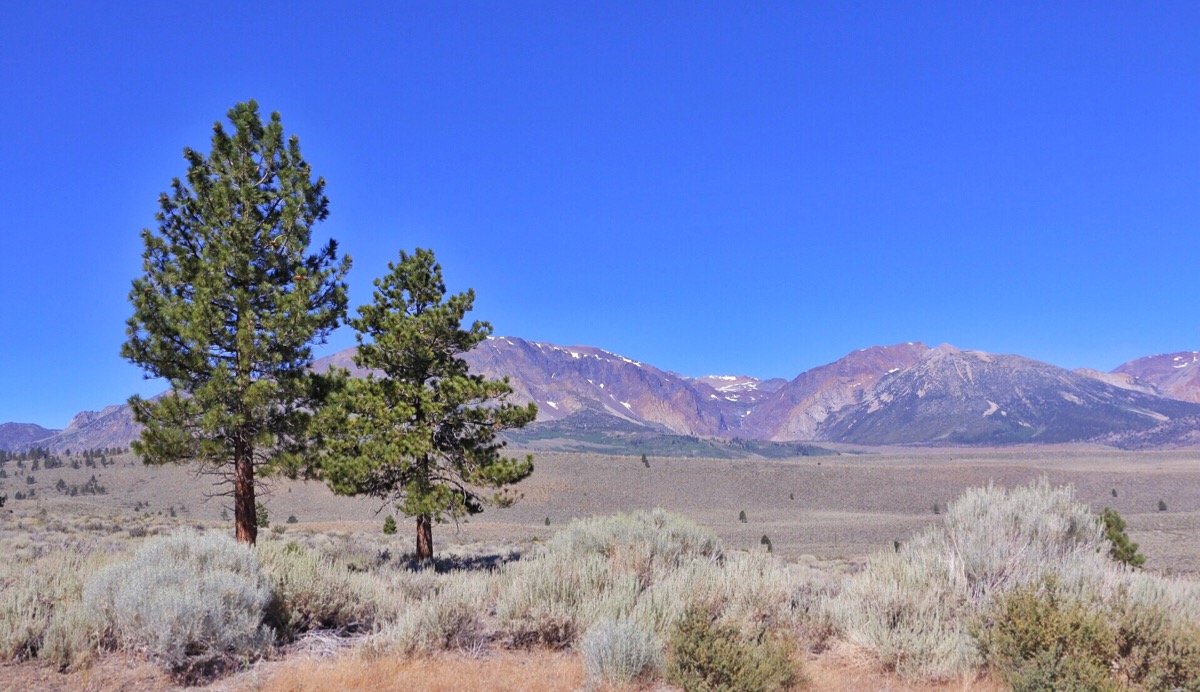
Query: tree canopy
420, 431
229, 306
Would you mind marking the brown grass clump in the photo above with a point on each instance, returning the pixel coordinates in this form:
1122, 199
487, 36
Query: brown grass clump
847, 668
534, 671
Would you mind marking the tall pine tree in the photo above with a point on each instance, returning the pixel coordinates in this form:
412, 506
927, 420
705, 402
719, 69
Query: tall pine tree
422, 434
229, 307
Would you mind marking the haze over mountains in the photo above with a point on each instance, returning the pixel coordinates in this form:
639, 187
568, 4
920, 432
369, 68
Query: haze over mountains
902, 394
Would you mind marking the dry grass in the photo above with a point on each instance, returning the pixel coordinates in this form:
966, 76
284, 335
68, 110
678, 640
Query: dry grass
845, 668
516, 671
848, 506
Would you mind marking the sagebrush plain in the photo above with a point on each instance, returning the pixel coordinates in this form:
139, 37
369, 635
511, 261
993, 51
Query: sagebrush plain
823, 518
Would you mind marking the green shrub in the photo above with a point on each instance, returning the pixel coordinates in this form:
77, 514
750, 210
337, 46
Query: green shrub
707, 656
389, 526
620, 652
911, 606
314, 591
1042, 637
190, 600
1122, 549
262, 518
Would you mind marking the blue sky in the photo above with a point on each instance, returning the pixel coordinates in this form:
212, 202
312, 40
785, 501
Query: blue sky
755, 188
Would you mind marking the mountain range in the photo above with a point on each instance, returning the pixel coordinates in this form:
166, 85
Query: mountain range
904, 394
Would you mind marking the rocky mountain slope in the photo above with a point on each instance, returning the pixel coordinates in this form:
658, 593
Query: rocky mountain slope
15, 436
900, 394
1175, 375
798, 409
952, 396
564, 380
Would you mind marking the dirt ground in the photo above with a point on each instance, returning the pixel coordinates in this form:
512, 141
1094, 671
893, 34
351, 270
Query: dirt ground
843, 507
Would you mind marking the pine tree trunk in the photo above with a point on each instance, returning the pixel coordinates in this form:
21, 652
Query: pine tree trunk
424, 537
244, 510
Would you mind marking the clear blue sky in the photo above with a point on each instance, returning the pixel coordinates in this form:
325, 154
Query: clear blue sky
755, 188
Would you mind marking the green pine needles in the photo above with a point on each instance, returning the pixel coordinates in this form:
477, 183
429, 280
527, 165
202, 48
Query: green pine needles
420, 431
229, 307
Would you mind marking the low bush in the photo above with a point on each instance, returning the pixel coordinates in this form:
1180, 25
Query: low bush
707, 656
191, 600
620, 652
1045, 637
40, 614
314, 591
447, 617
912, 606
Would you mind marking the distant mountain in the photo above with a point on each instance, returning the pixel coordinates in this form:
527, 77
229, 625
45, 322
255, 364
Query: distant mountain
16, 436
563, 380
899, 394
970, 397
797, 410
1175, 375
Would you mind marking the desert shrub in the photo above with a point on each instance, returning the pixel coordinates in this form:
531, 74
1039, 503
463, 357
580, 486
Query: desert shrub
1122, 549
600, 568
706, 655
189, 600
314, 591
911, 606
292, 519
620, 652
447, 617
39, 603
1045, 637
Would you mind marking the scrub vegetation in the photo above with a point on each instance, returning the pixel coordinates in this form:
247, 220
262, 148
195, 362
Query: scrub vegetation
1011, 587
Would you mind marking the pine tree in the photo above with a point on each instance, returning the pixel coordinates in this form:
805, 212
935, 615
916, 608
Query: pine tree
423, 435
229, 307
1122, 548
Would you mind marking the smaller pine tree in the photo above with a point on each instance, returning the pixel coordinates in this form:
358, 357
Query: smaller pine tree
766, 542
742, 516
1114, 492
547, 521
261, 517
936, 508
645, 461
1162, 505
389, 525
1122, 549
292, 519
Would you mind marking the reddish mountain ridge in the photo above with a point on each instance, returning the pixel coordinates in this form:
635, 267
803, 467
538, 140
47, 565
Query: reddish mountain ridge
797, 410
900, 394
1174, 375
565, 380
957, 397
